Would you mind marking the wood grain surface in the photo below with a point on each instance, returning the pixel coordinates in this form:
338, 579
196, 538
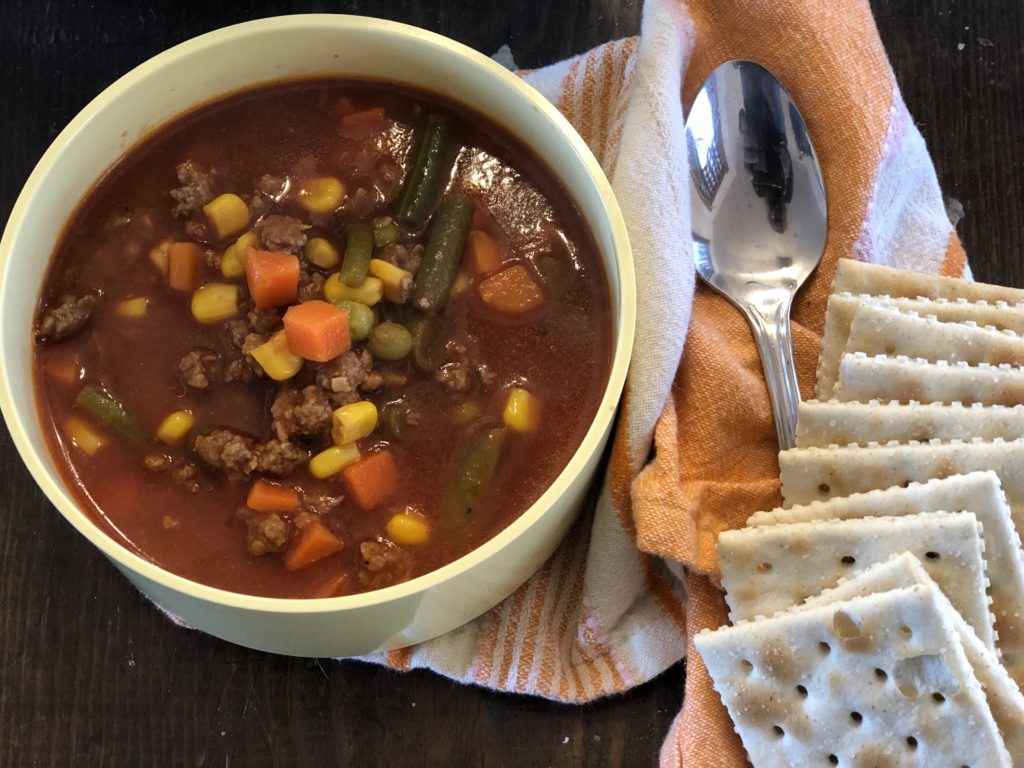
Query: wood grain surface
92, 675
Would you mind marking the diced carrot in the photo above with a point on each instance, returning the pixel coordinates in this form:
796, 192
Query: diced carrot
183, 266
335, 586
364, 117
64, 367
273, 277
512, 291
372, 480
314, 542
268, 497
317, 330
344, 106
482, 252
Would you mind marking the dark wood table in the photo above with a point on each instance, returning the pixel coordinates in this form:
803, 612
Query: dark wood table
92, 675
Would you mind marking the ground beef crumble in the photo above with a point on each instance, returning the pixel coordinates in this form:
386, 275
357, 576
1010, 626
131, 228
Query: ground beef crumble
66, 318
345, 375
264, 532
284, 234
228, 451
196, 188
303, 413
200, 368
311, 285
386, 564
404, 256
280, 457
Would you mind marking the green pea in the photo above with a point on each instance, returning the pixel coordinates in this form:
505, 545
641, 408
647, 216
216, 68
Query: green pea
360, 319
384, 233
390, 341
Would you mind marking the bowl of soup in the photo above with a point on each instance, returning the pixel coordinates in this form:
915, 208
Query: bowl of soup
319, 346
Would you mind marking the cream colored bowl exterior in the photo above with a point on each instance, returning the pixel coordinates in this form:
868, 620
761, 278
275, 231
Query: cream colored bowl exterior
225, 61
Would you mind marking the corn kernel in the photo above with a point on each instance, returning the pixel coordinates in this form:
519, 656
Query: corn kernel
232, 263
353, 421
369, 292
227, 214
83, 436
396, 280
276, 359
172, 430
132, 307
214, 302
160, 256
408, 529
322, 253
461, 283
321, 195
522, 411
332, 460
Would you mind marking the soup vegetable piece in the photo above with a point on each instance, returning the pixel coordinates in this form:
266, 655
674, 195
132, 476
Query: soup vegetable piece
319, 338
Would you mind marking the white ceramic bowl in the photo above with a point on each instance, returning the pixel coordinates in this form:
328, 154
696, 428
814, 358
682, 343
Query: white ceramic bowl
222, 62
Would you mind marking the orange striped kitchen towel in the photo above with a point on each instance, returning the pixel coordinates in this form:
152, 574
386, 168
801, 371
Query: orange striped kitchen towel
621, 599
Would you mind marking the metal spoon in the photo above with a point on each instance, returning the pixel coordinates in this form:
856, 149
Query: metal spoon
758, 213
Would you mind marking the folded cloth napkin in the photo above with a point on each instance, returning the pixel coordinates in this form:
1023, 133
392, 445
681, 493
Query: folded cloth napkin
621, 599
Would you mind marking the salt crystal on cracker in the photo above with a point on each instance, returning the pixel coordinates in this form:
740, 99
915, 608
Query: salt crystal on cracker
842, 308
863, 378
819, 424
879, 330
770, 568
854, 683
875, 279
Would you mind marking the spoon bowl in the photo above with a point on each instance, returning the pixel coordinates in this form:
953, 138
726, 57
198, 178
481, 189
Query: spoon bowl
757, 210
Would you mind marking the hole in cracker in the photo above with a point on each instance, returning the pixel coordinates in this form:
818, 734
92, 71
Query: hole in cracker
848, 559
881, 674
764, 567
778, 731
747, 665
824, 647
905, 484
932, 555
889, 349
802, 691
911, 742
906, 631
938, 698
857, 717
845, 626
833, 759
824, 488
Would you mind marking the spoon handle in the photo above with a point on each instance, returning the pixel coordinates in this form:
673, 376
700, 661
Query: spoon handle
769, 321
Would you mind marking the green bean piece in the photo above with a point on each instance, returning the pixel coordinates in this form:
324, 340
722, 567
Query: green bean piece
443, 254
428, 175
107, 411
360, 319
390, 341
425, 330
392, 419
385, 234
555, 274
358, 252
460, 506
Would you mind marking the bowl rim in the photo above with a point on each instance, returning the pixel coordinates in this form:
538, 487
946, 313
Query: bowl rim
623, 329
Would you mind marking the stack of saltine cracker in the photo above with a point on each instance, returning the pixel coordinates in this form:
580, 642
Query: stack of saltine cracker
878, 618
